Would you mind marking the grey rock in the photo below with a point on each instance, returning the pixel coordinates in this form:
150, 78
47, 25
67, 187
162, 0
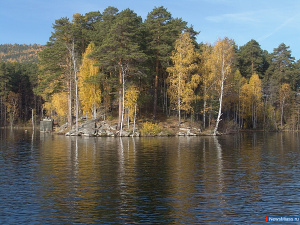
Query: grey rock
125, 134
181, 134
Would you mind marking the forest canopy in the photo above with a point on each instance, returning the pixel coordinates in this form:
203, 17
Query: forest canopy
114, 64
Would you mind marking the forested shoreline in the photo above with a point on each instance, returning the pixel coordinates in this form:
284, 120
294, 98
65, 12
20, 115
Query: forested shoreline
115, 66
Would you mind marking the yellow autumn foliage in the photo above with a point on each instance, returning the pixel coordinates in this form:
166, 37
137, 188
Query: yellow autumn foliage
59, 103
251, 99
183, 79
131, 97
89, 89
150, 129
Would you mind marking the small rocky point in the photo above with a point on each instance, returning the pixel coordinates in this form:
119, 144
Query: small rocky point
96, 128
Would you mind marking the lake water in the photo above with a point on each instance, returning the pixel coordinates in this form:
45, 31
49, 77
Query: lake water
238, 179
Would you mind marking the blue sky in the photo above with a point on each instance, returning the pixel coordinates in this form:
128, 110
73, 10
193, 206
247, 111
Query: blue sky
270, 22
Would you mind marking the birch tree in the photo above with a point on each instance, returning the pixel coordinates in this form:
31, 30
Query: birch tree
131, 97
89, 88
183, 79
222, 61
207, 79
251, 98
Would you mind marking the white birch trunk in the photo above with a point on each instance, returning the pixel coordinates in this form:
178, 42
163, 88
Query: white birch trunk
95, 111
221, 96
134, 118
220, 107
32, 118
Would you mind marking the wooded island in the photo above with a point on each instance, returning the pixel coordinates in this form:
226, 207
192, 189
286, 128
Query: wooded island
113, 66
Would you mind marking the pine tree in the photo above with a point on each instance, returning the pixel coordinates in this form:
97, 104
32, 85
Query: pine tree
284, 95
251, 59
5, 87
161, 32
120, 49
281, 70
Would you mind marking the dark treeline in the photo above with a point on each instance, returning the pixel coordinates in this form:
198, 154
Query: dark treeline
114, 64
17, 100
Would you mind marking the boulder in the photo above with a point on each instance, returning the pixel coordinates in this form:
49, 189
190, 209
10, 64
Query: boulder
88, 132
181, 134
88, 124
62, 129
135, 134
184, 129
110, 133
125, 134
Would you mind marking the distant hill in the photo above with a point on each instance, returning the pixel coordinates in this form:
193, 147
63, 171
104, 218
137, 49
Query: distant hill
19, 53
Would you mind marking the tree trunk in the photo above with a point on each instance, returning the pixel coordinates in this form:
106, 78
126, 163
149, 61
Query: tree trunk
134, 118
281, 116
128, 119
76, 87
120, 99
73, 69
221, 97
70, 121
179, 106
32, 118
123, 73
95, 111
204, 107
298, 119
210, 114
155, 88
220, 107
239, 109
275, 123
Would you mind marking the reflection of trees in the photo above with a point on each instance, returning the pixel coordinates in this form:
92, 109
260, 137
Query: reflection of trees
250, 164
219, 165
214, 186
140, 179
68, 177
183, 180
127, 178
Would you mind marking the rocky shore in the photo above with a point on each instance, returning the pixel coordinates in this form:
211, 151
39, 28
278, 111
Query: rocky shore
95, 128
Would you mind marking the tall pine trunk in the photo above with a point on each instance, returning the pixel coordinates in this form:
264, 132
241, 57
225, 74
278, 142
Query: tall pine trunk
155, 87
76, 86
120, 99
122, 95
204, 107
70, 122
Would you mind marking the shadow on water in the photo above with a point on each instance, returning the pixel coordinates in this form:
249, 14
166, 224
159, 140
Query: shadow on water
174, 180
